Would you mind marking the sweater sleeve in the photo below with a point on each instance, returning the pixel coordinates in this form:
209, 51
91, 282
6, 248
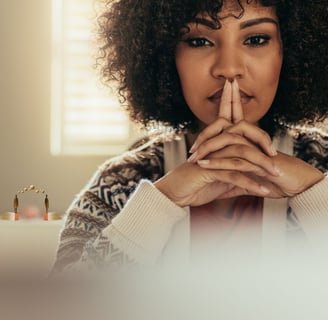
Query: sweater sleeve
112, 222
140, 231
311, 208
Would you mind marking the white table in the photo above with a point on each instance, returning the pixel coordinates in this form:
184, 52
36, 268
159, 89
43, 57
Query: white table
28, 246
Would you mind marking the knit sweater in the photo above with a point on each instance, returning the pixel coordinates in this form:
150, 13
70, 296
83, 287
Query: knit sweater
121, 218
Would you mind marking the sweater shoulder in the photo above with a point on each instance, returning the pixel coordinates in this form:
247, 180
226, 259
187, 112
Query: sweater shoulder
115, 180
145, 160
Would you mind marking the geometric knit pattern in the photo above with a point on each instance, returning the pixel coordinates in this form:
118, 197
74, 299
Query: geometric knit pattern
313, 148
102, 199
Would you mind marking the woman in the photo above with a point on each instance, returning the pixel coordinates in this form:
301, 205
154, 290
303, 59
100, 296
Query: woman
227, 76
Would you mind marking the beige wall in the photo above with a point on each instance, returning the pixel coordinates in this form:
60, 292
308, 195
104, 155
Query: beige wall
25, 33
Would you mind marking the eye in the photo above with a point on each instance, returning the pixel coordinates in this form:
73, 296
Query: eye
198, 42
257, 40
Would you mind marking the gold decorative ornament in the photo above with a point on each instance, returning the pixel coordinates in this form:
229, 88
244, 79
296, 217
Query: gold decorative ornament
46, 214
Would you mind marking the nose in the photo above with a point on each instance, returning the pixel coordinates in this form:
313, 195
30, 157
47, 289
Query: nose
228, 64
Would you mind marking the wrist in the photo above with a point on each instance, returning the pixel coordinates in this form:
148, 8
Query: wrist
166, 189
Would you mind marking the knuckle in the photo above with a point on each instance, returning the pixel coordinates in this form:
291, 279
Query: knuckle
242, 122
265, 136
212, 156
234, 175
271, 161
261, 173
203, 147
235, 137
230, 137
237, 163
241, 150
224, 121
201, 136
241, 125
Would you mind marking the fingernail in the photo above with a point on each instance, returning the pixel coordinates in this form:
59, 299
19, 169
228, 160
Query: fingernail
203, 162
264, 189
273, 150
235, 83
192, 157
278, 171
193, 148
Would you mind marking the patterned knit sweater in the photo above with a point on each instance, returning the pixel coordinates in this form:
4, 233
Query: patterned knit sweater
104, 197
109, 189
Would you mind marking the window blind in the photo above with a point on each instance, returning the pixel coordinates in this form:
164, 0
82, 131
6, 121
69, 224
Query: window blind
86, 118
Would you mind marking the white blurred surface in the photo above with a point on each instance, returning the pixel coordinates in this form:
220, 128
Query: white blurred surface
28, 246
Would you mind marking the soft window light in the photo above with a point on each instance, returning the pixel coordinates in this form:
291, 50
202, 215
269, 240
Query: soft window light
85, 118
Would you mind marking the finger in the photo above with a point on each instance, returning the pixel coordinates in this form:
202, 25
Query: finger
217, 143
236, 192
209, 132
250, 132
239, 180
236, 164
225, 105
255, 135
251, 154
237, 109
244, 152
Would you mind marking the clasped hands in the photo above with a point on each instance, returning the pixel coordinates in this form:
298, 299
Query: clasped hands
232, 157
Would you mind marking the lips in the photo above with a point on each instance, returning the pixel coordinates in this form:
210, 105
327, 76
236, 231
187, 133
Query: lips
216, 97
244, 98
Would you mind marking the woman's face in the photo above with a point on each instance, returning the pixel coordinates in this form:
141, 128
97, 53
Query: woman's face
248, 49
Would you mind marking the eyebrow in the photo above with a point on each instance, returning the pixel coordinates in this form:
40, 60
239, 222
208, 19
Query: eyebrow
208, 23
243, 25
253, 22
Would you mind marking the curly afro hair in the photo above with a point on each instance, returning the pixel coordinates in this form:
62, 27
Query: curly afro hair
139, 38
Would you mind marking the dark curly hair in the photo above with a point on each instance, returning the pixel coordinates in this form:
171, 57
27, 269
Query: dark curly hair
139, 38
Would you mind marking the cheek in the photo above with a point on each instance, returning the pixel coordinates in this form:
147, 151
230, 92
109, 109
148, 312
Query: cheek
275, 74
190, 79
181, 69
272, 71
269, 79
192, 82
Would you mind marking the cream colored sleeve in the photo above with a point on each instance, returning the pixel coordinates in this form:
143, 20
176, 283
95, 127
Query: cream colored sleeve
311, 208
144, 225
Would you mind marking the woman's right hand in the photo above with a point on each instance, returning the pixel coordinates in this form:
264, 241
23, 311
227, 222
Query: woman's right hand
191, 185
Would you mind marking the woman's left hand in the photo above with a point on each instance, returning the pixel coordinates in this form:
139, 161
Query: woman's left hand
295, 176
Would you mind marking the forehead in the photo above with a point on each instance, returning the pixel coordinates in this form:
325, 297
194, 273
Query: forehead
236, 9
231, 8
